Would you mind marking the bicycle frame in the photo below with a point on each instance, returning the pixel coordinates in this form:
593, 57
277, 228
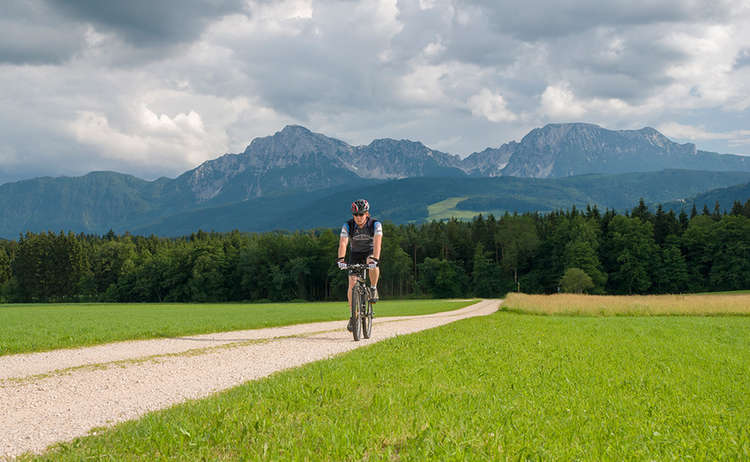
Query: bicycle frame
361, 306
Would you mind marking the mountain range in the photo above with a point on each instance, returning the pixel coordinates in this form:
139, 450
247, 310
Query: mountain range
296, 158
555, 166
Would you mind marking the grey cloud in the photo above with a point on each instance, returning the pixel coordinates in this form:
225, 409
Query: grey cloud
332, 64
632, 72
473, 40
534, 20
148, 22
30, 33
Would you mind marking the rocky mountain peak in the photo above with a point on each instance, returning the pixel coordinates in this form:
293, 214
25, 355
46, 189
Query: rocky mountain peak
572, 149
655, 138
294, 141
553, 134
294, 130
407, 146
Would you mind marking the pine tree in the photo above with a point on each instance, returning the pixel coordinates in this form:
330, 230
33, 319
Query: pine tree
518, 239
641, 211
664, 225
684, 221
671, 275
736, 208
485, 276
631, 248
717, 212
4, 266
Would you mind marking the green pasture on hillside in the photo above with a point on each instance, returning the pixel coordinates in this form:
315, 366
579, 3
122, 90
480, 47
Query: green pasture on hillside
41, 327
505, 387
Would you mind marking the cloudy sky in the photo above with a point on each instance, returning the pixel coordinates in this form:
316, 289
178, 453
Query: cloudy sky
156, 87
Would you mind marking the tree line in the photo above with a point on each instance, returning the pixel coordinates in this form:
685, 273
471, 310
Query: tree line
638, 252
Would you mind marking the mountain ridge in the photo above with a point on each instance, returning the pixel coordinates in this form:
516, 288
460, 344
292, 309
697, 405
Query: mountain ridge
296, 160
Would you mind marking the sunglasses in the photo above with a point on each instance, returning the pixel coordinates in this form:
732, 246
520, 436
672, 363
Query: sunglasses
358, 214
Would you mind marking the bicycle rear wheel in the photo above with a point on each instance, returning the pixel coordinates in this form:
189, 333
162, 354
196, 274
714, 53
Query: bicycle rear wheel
367, 317
357, 298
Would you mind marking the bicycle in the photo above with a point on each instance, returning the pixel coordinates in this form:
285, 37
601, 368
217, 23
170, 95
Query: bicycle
361, 304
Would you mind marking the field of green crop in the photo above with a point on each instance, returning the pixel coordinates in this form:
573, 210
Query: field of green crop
508, 386
43, 327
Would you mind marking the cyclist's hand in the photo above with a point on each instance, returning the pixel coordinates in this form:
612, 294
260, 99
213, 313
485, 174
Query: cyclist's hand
372, 262
341, 263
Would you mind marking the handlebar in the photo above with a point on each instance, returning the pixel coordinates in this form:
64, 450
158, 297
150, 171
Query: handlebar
359, 266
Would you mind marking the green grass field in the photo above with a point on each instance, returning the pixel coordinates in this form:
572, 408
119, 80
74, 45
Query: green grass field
41, 327
505, 387
446, 209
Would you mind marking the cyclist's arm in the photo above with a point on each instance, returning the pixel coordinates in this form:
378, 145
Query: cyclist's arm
343, 241
377, 240
377, 244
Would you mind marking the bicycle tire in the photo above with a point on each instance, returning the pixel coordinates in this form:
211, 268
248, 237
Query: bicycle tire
357, 327
367, 318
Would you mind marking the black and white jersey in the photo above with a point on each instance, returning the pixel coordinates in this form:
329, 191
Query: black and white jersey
360, 239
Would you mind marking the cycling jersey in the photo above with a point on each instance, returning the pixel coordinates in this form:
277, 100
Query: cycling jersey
360, 239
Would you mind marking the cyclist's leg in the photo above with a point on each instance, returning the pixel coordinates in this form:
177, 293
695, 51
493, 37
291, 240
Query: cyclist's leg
374, 276
352, 281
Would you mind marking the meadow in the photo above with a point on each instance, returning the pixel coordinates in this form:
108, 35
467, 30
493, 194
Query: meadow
509, 386
725, 303
41, 327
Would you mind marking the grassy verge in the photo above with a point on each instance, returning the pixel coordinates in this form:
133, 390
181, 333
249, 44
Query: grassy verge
27, 328
507, 386
638, 305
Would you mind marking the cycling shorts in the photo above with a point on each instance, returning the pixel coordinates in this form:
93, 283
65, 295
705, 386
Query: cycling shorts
358, 258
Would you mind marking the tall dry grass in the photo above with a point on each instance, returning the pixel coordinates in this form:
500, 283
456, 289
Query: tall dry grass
632, 305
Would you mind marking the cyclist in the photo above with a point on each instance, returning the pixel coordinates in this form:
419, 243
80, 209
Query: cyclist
366, 235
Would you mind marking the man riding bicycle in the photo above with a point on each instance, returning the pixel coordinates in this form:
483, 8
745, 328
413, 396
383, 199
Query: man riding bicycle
366, 235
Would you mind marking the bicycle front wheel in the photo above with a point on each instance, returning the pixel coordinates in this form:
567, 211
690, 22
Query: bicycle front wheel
357, 299
367, 320
366, 316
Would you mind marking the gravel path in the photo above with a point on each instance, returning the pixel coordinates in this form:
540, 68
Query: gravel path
59, 395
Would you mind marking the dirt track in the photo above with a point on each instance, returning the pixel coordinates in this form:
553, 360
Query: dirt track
59, 395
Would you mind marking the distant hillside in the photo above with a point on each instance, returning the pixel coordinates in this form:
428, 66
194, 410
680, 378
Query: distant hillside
410, 200
725, 197
94, 202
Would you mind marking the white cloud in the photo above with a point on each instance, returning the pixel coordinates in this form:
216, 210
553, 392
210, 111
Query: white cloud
181, 123
423, 84
427, 4
491, 106
433, 49
93, 129
706, 76
700, 133
559, 102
